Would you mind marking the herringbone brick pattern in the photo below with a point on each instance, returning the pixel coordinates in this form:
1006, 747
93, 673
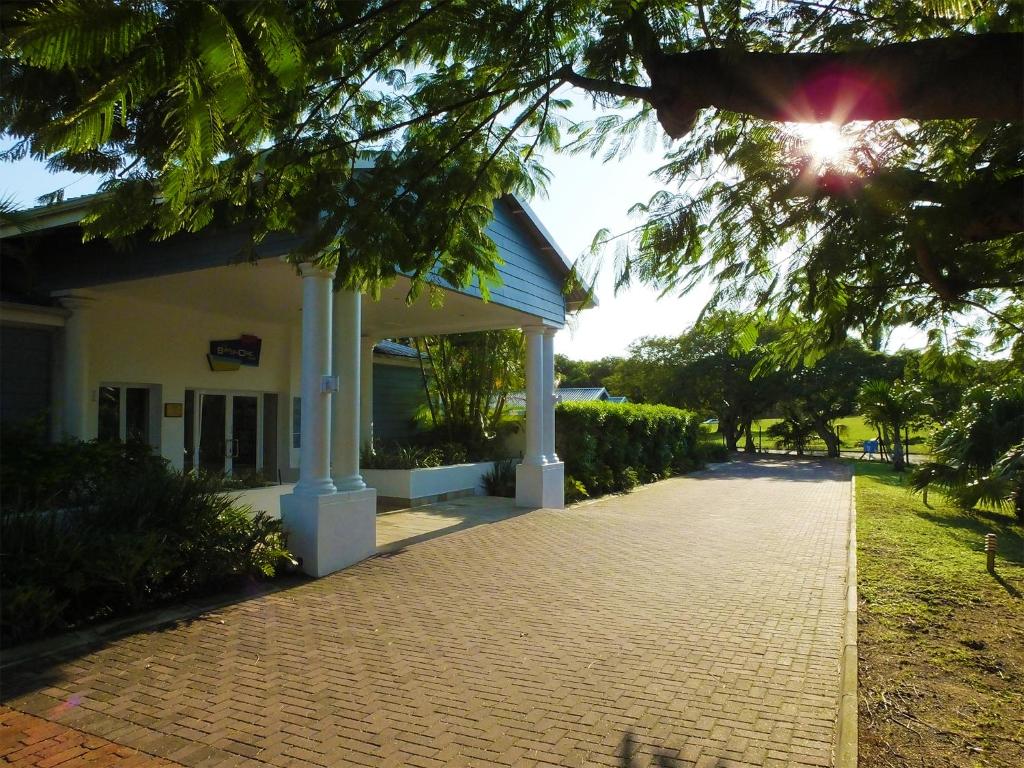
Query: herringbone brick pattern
32, 742
701, 615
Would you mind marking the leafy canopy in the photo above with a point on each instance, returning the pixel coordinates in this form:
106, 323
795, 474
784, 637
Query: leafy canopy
271, 114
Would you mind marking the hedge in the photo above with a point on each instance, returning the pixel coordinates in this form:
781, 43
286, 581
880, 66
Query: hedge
609, 447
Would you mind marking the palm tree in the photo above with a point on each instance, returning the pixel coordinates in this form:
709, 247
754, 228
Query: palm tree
793, 432
889, 407
979, 453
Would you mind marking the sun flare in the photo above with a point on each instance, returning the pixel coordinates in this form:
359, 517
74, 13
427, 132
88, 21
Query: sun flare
825, 143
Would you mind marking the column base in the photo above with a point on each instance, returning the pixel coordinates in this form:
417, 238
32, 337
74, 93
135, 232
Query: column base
540, 485
350, 483
330, 532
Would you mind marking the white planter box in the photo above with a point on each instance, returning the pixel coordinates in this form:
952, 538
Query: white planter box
432, 484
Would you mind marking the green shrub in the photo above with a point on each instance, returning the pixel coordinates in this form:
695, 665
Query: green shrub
106, 529
712, 452
501, 481
398, 457
408, 456
574, 490
610, 447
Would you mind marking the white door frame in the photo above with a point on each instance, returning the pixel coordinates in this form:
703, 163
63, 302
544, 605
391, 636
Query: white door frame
229, 425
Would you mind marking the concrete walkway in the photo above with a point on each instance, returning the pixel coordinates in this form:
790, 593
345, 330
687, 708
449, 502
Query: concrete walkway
699, 618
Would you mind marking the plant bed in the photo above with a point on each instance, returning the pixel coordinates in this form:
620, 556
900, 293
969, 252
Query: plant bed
941, 640
427, 485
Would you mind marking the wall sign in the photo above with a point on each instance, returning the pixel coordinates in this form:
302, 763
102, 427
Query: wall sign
174, 410
231, 354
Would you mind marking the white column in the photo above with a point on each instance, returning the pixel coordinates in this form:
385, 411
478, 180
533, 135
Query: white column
366, 392
535, 405
345, 446
315, 439
77, 389
550, 398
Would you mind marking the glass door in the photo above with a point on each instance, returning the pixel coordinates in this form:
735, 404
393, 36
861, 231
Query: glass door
244, 431
212, 437
224, 432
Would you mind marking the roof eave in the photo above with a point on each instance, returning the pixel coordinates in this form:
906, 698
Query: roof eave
50, 216
579, 298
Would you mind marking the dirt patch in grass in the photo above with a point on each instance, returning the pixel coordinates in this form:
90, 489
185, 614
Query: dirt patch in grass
941, 640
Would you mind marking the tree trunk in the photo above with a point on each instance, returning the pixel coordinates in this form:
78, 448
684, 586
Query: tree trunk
828, 435
728, 429
897, 449
425, 381
749, 446
944, 78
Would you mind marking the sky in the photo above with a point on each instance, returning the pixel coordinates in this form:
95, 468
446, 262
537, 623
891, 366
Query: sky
584, 196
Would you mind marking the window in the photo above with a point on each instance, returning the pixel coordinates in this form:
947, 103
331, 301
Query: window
296, 422
124, 414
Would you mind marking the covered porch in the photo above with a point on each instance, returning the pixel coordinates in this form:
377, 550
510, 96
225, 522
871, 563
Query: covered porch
262, 366
316, 356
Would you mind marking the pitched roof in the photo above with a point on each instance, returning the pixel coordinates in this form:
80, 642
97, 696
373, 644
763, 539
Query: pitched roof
581, 394
72, 210
394, 349
565, 395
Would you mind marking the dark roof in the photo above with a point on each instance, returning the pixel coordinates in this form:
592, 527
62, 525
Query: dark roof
394, 349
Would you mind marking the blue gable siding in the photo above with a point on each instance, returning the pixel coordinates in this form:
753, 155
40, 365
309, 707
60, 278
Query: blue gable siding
529, 281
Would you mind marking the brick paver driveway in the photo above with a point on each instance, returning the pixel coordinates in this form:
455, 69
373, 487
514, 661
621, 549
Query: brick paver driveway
701, 616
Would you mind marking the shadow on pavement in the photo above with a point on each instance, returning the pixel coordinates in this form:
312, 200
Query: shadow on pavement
788, 469
399, 529
630, 756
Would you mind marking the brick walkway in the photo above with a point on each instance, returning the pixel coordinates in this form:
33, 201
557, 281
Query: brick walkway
700, 616
26, 740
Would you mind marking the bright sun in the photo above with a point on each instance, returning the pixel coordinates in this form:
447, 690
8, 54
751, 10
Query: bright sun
826, 143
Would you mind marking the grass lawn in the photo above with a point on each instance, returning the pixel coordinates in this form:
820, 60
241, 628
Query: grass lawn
941, 640
853, 434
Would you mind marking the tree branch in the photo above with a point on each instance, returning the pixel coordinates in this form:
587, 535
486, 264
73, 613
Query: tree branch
625, 90
967, 76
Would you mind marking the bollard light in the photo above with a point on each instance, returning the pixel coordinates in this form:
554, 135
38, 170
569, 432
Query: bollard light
990, 552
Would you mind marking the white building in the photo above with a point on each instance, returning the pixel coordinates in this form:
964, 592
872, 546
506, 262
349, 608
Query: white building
242, 367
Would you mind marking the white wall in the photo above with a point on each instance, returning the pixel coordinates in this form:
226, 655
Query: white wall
145, 343
415, 484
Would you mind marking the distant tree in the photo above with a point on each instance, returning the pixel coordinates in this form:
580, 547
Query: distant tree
792, 432
589, 373
891, 406
710, 369
817, 395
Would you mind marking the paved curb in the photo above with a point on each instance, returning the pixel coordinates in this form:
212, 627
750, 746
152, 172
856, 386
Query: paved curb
846, 726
